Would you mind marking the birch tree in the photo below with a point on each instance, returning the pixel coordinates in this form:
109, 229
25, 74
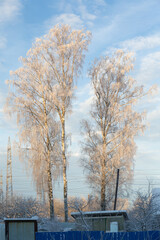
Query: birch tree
54, 62
63, 49
109, 135
38, 128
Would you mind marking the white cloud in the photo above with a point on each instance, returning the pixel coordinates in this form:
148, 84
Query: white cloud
152, 133
9, 9
100, 3
72, 19
149, 68
123, 20
147, 157
103, 35
80, 111
155, 99
67, 18
77, 16
84, 107
154, 115
84, 91
85, 14
75, 154
142, 43
2, 43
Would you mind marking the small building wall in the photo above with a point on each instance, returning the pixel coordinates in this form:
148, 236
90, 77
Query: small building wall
107, 221
99, 224
20, 229
103, 223
2, 231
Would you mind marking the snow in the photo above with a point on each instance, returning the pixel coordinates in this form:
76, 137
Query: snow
101, 212
20, 219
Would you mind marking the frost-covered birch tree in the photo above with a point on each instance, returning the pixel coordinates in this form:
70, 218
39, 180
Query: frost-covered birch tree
144, 214
109, 135
43, 86
63, 49
38, 129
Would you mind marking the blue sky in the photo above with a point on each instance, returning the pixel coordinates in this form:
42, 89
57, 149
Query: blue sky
132, 25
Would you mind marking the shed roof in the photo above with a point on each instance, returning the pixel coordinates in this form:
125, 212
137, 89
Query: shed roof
101, 214
20, 220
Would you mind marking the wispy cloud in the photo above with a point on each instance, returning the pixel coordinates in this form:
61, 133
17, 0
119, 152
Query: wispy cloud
72, 19
80, 111
9, 9
2, 43
85, 13
76, 15
67, 18
142, 43
154, 115
149, 68
100, 3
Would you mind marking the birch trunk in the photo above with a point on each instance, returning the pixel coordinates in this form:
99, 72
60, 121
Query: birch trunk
103, 162
103, 177
103, 192
50, 190
64, 170
49, 167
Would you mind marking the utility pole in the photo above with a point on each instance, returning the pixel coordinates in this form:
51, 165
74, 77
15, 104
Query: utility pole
9, 187
115, 201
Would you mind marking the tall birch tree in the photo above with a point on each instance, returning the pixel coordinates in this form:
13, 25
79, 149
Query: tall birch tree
63, 49
109, 135
38, 129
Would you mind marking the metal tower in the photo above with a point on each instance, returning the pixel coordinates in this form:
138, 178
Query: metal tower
9, 187
1, 187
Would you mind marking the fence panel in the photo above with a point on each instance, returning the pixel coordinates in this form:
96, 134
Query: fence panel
51, 236
152, 235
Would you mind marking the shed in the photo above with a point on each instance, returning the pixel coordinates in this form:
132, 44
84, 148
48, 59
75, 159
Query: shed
108, 221
20, 228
